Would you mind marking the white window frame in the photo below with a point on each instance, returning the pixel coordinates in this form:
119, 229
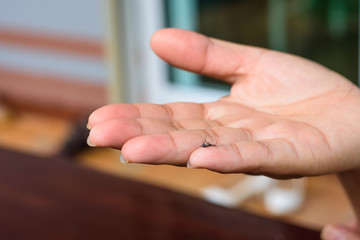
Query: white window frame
145, 77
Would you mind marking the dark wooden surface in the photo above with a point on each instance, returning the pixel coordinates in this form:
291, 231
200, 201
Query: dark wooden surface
54, 198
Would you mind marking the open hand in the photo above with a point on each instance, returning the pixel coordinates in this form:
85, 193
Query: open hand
284, 117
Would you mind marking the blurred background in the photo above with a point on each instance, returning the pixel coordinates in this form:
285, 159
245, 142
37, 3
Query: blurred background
60, 60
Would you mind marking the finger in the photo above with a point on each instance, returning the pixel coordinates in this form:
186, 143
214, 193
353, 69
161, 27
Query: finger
176, 147
339, 232
115, 132
273, 157
197, 53
146, 110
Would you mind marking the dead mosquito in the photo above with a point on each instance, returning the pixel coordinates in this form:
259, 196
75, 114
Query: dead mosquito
206, 143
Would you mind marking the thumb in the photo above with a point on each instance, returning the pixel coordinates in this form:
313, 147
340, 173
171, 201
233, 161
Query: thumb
203, 55
339, 232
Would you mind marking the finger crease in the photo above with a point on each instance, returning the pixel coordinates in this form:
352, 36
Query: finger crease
176, 125
322, 135
249, 134
137, 110
205, 112
174, 144
213, 135
269, 152
292, 146
169, 111
215, 123
237, 151
206, 55
141, 127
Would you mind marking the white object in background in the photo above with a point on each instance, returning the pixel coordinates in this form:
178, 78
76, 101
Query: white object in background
285, 196
235, 195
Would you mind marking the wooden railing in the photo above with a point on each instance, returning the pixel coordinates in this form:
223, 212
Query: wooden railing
41, 90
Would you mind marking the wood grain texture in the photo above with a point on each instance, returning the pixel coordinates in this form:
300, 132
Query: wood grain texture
53, 198
50, 92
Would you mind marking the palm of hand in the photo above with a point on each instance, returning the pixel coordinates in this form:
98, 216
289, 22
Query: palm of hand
284, 117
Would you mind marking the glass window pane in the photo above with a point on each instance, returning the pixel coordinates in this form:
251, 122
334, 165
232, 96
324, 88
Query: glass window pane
325, 31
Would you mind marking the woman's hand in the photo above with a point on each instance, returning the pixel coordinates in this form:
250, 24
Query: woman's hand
284, 117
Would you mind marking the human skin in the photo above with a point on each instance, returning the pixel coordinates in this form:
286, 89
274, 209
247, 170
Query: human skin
284, 117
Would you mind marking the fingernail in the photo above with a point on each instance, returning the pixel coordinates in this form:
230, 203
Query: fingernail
90, 143
188, 164
333, 233
122, 160
88, 126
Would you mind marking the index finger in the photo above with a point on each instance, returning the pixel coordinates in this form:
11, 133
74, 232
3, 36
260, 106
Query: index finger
200, 54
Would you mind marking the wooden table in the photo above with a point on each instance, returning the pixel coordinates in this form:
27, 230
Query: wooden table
54, 198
